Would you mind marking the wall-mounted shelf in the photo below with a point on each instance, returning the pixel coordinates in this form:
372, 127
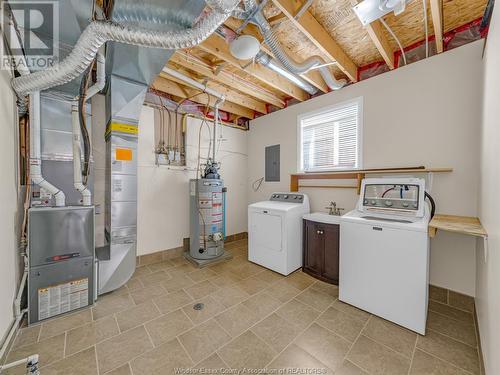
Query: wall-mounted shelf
459, 224
358, 174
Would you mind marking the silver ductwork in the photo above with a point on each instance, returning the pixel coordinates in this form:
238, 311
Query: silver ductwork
256, 16
99, 32
131, 69
131, 66
266, 60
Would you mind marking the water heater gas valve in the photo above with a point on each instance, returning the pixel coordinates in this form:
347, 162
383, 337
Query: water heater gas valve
217, 236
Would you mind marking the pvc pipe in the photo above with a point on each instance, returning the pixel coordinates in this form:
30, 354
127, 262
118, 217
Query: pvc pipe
31, 361
12, 330
216, 121
17, 311
35, 152
192, 82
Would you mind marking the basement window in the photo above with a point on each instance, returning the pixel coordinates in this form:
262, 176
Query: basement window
330, 139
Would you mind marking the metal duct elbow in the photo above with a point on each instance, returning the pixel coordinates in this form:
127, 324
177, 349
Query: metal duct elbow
266, 60
287, 61
99, 32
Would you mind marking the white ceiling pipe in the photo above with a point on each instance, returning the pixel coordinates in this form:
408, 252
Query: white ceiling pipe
194, 83
35, 152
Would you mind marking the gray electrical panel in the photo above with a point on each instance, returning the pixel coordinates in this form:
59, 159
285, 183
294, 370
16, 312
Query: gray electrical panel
273, 163
61, 260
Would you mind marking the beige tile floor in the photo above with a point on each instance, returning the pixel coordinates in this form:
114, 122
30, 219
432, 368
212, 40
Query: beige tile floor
252, 318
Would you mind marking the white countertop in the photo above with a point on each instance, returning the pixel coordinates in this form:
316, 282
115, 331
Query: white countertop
322, 217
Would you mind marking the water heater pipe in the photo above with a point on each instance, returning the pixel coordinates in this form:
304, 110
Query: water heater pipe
220, 98
35, 152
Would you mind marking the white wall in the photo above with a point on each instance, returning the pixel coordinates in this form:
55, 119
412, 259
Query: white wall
424, 114
488, 267
10, 210
163, 194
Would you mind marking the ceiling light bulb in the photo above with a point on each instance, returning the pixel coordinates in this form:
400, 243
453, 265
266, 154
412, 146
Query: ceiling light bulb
398, 6
245, 47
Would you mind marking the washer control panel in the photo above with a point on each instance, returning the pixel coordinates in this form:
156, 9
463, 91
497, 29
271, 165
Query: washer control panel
287, 197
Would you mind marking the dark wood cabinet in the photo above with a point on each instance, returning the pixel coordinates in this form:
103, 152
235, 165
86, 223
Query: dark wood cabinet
321, 251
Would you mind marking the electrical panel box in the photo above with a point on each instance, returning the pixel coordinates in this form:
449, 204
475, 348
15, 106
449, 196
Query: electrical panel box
273, 163
61, 260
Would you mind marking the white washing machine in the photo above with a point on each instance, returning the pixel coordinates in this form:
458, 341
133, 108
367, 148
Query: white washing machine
384, 252
275, 231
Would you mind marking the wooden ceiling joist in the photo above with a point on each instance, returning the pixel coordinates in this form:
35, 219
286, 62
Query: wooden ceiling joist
437, 22
377, 35
230, 95
173, 88
195, 64
219, 48
320, 37
313, 77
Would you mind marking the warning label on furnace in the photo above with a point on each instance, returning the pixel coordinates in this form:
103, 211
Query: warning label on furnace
58, 299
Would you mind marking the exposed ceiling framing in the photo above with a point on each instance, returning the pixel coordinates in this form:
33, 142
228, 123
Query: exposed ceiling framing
328, 28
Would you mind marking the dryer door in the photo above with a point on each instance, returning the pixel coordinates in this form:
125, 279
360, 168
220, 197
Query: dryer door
266, 228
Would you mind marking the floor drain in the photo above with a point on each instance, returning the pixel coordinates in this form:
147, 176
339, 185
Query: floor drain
198, 306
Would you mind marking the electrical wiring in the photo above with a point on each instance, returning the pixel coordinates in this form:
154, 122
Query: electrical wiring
403, 53
257, 184
83, 122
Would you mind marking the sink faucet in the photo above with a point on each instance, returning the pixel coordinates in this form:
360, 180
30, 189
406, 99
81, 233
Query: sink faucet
333, 209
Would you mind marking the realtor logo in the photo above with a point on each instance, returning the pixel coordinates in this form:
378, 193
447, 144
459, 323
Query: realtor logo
37, 36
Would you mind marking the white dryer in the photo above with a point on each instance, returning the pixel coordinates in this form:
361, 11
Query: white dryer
275, 231
384, 252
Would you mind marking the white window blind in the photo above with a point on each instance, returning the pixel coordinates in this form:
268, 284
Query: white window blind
330, 139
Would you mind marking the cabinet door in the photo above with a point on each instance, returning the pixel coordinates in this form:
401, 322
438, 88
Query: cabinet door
313, 247
331, 250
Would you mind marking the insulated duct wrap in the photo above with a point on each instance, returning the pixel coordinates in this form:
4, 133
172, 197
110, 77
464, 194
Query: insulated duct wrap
99, 32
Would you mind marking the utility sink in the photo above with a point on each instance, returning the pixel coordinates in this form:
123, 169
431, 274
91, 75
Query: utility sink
323, 217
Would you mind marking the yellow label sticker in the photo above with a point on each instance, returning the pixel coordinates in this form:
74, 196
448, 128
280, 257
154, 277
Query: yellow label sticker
123, 128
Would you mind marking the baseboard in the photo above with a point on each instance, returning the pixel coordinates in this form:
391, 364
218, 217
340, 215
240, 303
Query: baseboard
461, 302
449, 297
163, 255
479, 347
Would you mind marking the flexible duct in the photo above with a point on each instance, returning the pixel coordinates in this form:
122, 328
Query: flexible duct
266, 60
288, 62
99, 32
